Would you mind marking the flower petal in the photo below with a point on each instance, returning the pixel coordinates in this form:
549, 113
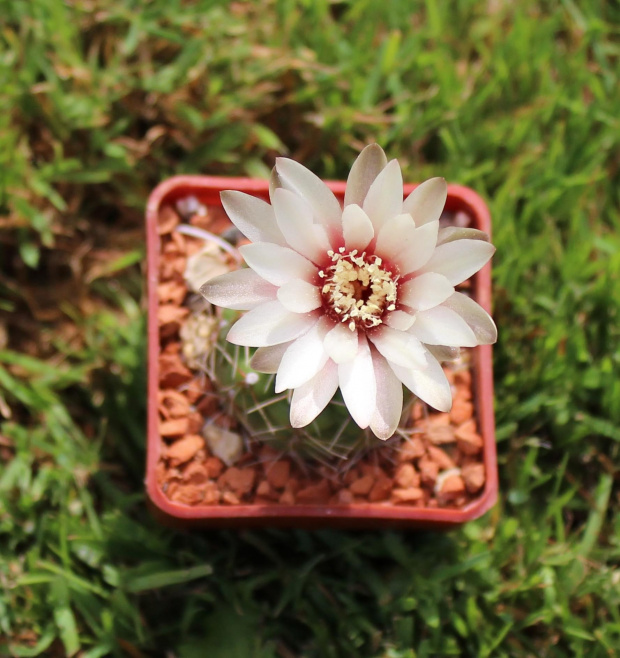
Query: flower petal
399, 320
311, 398
413, 258
341, 343
299, 296
267, 359
304, 358
399, 347
452, 233
397, 235
443, 353
442, 326
240, 290
269, 324
294, 217
460, 259
277, 264
430, 385
295, 177
425, 204
252, 216
368, 165
385, 196
357, 228
358, 385
389, 403
476, 317
425, 291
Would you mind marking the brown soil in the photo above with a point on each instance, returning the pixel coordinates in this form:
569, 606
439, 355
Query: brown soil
438, 465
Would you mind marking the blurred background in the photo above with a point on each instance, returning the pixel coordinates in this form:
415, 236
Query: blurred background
100, 100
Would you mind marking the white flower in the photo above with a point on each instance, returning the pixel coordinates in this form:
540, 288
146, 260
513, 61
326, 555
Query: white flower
356, 298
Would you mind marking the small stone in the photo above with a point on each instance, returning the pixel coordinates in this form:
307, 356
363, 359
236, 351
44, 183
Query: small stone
167, 220
212, 494
381, 490
278, 473
188, 494
195, 421
172, 371
406, 476
441, 458
230, 498
195, 473
440, 434
214, 467
428, 471
461, 411
412, 448
344, 497
314, 494
410, 495
173, 404
474, 477
287, 497
463, 378
184, 449
351, 476
468, 440
174, 427
171, 314
224, 444
264, 489
450, 487
362, 486
240, 480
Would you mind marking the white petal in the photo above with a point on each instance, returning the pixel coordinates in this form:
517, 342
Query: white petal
368, 165
304, 358
252, 216
358, 385
460, 259
399, 347
385, 196
341, 343
357, 228
413, 258
312, 397
476, 317
240, 290
294, 217
299, 296
325, 207
425, 204
452, 233
395, 236
399, 320
267, 359
425, 291
430, 385
269, 324
443, 353
389, 407
442, 326
277, 264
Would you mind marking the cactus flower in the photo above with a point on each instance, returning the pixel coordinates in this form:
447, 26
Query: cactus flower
359, 297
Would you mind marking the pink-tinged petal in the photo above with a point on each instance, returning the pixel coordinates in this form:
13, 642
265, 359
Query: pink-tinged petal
458, 260
277, 264
304, 358
480, 322
399, 320
312, 397
452, 233
425, 204
430, 385
294, 217
415, 257
389, 407
399, 347
296, 178
253, 217
425, 291
397, 235
299, 296
269, 324
443, 326
341, 343
385, 196
443, 353
358, 385
240, 290
368, 165
267, 359
357, 228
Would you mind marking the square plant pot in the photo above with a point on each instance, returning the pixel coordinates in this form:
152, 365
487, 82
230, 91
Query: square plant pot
186, 504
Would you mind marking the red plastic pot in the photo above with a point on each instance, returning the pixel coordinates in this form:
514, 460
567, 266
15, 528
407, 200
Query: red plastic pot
368, 515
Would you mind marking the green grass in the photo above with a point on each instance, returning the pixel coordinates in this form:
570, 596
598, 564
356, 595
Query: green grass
101, 100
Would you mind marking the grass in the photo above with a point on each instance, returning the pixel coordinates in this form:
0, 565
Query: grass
101, 100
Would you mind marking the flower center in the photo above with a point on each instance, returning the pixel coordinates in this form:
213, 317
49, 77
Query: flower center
357, 289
